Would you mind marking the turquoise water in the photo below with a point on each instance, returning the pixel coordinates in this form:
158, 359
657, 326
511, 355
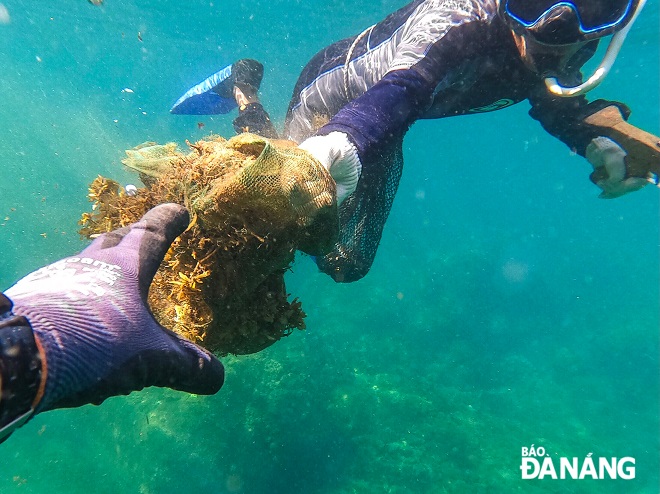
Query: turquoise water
508, 306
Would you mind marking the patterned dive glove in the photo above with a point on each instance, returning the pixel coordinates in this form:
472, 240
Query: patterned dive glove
90, 316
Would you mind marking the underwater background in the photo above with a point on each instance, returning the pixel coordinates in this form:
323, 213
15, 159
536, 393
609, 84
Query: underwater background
508, 306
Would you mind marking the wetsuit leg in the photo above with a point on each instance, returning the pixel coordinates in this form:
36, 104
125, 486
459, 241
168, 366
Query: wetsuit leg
316, 97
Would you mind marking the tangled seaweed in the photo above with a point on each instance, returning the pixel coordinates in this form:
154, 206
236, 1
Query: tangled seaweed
221, 284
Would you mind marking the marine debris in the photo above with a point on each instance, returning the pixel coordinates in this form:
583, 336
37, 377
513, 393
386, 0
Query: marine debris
253, 203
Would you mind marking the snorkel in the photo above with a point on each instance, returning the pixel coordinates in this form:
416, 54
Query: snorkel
603, 69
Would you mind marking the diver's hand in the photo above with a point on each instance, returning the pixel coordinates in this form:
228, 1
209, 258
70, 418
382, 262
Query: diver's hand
608, 161
90, 316
339, 156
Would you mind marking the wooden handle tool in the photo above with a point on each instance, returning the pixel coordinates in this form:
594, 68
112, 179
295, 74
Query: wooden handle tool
643, 148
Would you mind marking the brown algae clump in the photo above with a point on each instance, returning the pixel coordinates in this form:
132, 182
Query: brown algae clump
253, 203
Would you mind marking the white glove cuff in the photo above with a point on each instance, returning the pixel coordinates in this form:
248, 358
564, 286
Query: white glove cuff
346, 167
339, 156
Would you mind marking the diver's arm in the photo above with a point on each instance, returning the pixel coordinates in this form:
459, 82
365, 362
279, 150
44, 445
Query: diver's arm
90, 333
383, 113
437, 41
564, 117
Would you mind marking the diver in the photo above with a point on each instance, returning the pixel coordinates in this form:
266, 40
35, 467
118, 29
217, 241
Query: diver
79, 330
356, 99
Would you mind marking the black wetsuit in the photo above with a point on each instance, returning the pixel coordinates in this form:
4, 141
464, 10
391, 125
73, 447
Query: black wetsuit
430, 59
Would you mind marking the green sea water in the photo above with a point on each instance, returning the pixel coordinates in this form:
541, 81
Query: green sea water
508, 306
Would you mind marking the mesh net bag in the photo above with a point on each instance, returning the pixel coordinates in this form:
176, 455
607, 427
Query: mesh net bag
253, 203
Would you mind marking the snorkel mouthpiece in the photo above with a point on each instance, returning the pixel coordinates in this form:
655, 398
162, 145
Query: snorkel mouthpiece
603, 69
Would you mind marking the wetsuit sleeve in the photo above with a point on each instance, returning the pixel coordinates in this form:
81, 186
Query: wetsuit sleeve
20, 370
564, 117
384, 113
376, 123
435, 40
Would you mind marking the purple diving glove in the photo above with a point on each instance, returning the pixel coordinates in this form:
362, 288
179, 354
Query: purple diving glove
90, 317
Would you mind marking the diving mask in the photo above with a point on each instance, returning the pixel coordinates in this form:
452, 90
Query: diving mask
564, 23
